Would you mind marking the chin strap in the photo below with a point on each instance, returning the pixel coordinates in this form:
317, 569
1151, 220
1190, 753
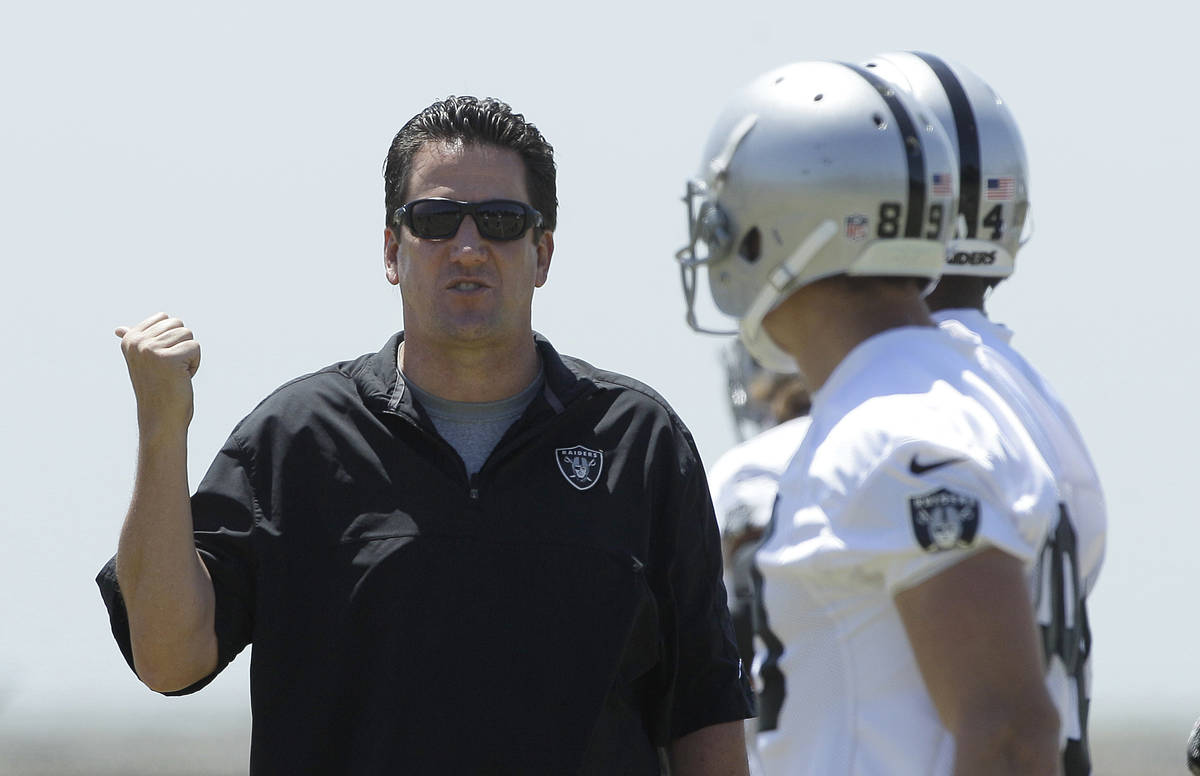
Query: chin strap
778, 286
764, 350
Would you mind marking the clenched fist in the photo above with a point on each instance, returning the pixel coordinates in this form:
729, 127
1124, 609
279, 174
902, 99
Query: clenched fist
162, 356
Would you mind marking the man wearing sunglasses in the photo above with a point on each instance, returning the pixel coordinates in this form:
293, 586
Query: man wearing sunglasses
465, 553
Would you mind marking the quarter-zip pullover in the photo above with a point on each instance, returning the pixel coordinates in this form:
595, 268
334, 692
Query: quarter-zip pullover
560, 611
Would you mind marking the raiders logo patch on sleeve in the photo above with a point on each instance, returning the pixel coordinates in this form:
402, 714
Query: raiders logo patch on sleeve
944, 520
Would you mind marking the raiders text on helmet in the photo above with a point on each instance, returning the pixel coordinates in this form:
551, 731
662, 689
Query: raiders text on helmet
813, 170
994, 176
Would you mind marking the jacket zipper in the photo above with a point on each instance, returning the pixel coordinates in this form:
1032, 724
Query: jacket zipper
531, 431
471, 480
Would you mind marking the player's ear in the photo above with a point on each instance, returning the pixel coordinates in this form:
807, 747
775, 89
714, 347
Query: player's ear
391, 256
545, 250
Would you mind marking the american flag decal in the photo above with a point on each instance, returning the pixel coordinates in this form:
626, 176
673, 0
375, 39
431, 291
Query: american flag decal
1001, 188
942, 185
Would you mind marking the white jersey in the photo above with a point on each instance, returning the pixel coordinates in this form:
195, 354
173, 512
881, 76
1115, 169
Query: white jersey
744, 482
745, 478
913, 462
1072, 559
998, 337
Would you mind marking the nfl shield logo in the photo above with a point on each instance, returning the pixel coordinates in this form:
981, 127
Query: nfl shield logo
856, 227
944, 520
580, 465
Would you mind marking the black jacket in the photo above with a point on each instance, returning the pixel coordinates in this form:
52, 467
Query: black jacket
559, 612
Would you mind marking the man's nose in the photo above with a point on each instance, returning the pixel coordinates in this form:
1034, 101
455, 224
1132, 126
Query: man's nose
467, 243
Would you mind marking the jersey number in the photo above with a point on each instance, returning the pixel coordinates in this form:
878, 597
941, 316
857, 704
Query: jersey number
773, 687
995, 219
1063, 620
889, 220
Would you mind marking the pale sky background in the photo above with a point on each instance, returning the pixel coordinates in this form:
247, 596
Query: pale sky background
221, 161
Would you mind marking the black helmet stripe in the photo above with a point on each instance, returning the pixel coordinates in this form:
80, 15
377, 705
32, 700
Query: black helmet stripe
913, 147
969, 173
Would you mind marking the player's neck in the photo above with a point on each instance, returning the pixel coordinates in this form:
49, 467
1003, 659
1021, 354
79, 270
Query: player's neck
490, 372
822, 323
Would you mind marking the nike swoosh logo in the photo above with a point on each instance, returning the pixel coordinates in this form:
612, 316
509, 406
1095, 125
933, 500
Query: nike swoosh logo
921, 468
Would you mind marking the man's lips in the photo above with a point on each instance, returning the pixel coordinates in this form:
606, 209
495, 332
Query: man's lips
467, 284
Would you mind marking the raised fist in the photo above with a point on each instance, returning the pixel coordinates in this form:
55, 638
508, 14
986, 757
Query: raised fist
162, 357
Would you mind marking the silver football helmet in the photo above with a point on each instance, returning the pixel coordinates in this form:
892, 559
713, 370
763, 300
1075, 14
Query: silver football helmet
813, 170
993, 193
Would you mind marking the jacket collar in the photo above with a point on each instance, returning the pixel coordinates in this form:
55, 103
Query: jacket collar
383, 390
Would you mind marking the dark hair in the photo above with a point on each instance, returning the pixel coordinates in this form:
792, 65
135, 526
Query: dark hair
960, 291
486, 121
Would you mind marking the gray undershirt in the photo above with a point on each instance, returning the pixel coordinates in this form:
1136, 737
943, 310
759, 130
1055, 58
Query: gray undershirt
473, 428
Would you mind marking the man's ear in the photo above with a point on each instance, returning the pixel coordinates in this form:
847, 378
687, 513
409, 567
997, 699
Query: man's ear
545, 251
391, 256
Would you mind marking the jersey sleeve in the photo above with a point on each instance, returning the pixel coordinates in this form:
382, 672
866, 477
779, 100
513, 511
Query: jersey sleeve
745, 480
709, 685
926, 506
223, 510
743, 502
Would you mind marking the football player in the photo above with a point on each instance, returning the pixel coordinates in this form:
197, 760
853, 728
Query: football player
992, 211
896, 581
772, 410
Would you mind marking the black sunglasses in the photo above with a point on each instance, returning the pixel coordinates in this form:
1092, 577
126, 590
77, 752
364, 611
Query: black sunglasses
438, 218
